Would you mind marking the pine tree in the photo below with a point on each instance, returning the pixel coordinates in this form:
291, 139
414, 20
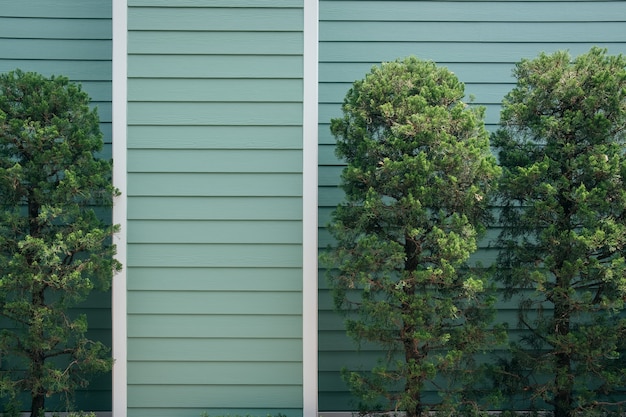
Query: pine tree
54, 249
417, 182
563, 242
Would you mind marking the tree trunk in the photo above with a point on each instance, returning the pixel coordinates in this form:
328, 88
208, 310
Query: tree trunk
563, 396
413, 383
38, 358
412, 350
38, 404
563, 380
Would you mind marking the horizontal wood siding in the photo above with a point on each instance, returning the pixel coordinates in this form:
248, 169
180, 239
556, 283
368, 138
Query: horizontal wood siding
70, 38
480, 41
214, 207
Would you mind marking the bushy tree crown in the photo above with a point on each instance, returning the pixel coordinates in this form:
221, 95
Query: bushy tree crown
54, 249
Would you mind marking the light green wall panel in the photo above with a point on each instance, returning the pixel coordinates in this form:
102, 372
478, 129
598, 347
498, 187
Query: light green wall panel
220, 326
224, 350
251, 397
214, 66
226, 113
215, 208
215, 160
214, 184
478, 40
209, 42
283, 19
202, 90
60, 9
272, 279
216, 231
215, 255
193, 412
214, 302
214, 137
70, 38
239, 4
217, 373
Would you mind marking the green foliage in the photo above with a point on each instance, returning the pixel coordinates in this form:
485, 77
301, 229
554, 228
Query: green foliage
54, 250
417, 183
563, 242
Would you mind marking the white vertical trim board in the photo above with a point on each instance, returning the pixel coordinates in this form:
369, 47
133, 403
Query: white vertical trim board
309, 208
120, 37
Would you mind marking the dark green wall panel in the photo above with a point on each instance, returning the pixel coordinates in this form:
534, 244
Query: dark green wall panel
70, 38
478, 40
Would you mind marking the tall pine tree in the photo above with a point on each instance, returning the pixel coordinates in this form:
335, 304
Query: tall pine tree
418, 177
54, 250
563, 242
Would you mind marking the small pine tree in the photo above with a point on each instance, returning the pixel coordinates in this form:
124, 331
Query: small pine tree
563, 242
53, 248
418, 176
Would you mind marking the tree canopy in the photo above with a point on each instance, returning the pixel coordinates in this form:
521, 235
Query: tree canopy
563, 242
417, 183
54, 247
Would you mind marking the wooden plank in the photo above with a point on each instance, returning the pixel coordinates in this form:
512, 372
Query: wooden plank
330, 175
214, 66
99, 91
215, 19
105, 110
56, 49
213, 89
186, 396
212, 372
327, 157
58, 9
464, 32
106, 129
214, 326
214, 350
215, 232
215, 43
472, 11
214, 185
202, 114
215, 208
215, 279
214, 160
215, 255
217, 3
214, 302
330, 196
212, 411
33, 28
78, 70
472, 52
215, 137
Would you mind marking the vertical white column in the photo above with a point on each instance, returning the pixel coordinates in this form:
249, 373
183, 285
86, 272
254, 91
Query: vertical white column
309, 203
120, 37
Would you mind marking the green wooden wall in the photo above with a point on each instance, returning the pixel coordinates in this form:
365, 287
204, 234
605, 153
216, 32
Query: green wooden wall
70, 38
480, 41
214, 207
